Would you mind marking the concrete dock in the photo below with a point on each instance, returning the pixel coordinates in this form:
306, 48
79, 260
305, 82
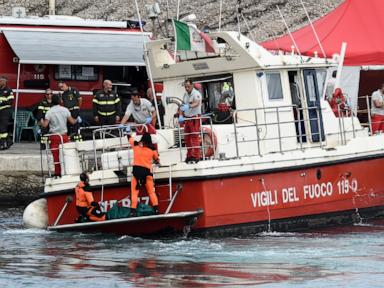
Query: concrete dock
21, 174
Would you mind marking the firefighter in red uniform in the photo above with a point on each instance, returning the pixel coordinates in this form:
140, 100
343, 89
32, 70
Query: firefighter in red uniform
72, 100
339, 104
191, 109
85, 203
144, 153
56, 118
6, 99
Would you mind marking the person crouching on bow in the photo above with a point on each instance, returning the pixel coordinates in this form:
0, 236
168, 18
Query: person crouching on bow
144, 153
85, 203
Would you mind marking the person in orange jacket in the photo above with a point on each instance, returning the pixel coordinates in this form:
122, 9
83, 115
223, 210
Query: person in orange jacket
85, 203
144, 153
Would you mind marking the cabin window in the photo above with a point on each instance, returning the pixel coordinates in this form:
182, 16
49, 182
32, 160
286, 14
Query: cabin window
78, 73
218, 97
321, 75
311, 88
275, 90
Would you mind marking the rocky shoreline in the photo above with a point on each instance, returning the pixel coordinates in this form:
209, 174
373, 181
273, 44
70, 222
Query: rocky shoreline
260, 15
20, 188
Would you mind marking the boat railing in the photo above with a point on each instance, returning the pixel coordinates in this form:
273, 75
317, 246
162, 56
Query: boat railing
51, 161
309, 130
363, 112
208, 150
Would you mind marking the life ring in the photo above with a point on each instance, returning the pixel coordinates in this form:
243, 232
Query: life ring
209, 142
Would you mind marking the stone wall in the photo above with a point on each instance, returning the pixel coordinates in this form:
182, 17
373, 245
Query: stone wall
19, 188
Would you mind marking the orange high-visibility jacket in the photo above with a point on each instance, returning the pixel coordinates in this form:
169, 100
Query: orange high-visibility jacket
143, 156
83, 198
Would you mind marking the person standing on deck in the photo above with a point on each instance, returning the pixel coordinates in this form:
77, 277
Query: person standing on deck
144, 153
42, 109
6, 99
191, 109
57, 118
160, 106
72, 100
106, 105
377, 110
142, 112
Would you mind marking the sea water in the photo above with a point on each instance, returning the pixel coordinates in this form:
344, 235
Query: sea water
349, 256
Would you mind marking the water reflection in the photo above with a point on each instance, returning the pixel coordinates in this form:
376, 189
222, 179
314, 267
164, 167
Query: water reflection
39, 258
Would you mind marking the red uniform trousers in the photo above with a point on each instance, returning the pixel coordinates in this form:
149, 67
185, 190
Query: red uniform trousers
54, 146
192, 138
377, 123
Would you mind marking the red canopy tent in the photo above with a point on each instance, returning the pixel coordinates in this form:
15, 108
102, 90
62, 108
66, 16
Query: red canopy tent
360, 23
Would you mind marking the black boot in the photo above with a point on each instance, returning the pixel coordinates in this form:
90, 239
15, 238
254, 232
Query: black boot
156, 208
3, 144
133, 213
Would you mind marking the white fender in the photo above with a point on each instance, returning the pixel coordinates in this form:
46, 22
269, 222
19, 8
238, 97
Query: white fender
36, 214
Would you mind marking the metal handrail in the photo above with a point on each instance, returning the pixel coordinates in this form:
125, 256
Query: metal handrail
181, 133
298, 121
48, 148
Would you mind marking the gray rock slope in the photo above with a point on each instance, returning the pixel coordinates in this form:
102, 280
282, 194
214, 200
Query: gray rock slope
258, 16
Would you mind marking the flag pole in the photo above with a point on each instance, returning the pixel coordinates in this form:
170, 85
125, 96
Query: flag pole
178, 9
148, 64
174, 29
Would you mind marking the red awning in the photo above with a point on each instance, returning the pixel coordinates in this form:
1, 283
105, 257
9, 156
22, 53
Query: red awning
360, 23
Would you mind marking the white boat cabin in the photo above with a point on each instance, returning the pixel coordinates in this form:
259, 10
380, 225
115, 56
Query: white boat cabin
256, 106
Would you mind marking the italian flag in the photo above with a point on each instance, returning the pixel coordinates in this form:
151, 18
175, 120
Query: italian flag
188, 37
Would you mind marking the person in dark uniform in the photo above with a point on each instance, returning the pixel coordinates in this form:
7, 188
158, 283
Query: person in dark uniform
6, 99
106, 105
160, 106
43, 108
72, 100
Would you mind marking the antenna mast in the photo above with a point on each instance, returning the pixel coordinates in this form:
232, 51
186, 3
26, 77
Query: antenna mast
178, 9
314, 31
289, 32
148, 64
221, 9
238, 11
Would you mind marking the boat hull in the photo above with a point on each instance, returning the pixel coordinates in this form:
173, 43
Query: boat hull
290, 199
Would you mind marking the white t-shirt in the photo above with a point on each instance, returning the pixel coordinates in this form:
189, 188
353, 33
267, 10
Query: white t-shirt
188, 99
140, 112
58, 117
377, 95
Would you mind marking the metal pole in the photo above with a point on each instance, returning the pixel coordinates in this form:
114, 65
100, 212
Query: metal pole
369, 114
16, 102
340, 65
257, 134
149, 70
319, 125
202, 137
278, 129
178, 9
221, 10
299, 125
314, 31
68, 200
235, 130
289, 32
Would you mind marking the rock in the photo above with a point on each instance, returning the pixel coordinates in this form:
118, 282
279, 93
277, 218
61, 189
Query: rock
261, 15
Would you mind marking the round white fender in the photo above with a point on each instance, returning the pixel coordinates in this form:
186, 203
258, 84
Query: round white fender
36, 214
